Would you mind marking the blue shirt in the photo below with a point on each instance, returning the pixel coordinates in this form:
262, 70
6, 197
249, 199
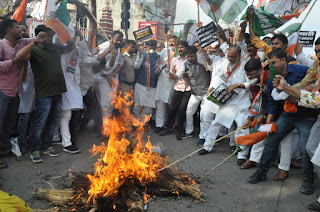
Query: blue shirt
295, 73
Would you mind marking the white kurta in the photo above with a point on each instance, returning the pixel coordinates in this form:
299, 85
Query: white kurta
164, 85
87, 76
238, 109
72, 99
102, 86
27, 96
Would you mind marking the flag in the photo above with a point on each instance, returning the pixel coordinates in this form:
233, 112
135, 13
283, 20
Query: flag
61, 23
274, 14
256, 136
19, 13
227, 10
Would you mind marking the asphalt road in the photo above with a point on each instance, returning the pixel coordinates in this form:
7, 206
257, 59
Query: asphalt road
226, 188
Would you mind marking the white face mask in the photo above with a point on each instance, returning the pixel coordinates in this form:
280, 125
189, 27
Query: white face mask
151, 51
172, 49
261, 55
253, 81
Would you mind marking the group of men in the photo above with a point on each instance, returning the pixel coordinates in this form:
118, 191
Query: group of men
47, 85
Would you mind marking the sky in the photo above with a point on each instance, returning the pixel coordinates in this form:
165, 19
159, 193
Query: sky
187, 9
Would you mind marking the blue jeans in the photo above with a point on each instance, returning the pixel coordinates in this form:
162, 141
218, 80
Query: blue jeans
285, 124
8, 118
46, 117
23, 125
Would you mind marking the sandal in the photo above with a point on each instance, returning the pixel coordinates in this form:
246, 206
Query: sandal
282, 175
3, 165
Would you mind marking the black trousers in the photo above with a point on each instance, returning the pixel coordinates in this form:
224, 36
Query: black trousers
177, 110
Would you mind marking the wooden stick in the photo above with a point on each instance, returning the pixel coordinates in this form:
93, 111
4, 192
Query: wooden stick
213, 142
98, 24
115, 188
198, 4
214, 168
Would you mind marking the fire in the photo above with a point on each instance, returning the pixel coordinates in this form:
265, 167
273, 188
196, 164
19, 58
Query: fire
121, 159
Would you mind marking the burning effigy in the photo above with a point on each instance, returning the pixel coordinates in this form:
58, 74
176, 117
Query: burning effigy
127, 171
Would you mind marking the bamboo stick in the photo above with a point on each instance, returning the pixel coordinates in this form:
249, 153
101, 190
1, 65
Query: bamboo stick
185, 157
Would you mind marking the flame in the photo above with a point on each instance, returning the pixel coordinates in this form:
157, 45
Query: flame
115, 163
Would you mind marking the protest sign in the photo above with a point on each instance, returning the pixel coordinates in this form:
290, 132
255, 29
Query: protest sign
143, 34
220, 96
207, 34
307, 38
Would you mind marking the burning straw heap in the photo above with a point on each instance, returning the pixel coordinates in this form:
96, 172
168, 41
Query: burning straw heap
126, 173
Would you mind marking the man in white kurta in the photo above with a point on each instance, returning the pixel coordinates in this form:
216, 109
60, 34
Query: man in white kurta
110, 50
165, 85
72, 101
232, 72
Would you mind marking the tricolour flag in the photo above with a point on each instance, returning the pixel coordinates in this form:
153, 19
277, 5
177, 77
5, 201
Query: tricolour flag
255, 137
227, 10
19, 13
273, 15
61, 23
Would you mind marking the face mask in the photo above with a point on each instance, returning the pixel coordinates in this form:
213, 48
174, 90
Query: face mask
261, 55
151, 51
253, 81
171, 48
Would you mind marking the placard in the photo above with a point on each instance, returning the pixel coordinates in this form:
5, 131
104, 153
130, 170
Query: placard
207, 34
143, 34
307, 38
220, 96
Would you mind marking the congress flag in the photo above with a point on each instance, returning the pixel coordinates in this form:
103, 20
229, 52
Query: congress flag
19, 13
61, 23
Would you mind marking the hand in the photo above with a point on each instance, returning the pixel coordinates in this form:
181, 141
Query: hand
260, 119
157, 71
78, 33
140, 50
209, 91
113, 51
246, 124
308, 88
231, 87
169, 33
243, 25
173, 70
40, 37
293, 100
170, 75
279, 82
298, 48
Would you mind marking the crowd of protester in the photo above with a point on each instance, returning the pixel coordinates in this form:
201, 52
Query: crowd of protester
48, 91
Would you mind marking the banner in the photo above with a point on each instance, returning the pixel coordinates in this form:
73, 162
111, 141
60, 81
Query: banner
207, 34
143, 34
157, 30
307, 38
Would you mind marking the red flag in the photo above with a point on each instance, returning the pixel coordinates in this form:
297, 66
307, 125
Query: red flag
19, 13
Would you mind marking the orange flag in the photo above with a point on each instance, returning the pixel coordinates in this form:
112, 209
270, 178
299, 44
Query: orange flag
19, 13
290, 107
253, 138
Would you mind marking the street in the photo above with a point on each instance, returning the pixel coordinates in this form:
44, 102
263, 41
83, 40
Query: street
226, 188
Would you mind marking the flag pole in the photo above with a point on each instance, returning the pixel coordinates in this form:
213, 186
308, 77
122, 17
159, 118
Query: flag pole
98, 23
205, 60
238, 149
305, 17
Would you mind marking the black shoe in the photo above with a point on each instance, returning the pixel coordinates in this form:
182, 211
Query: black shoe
240, 161
307, 187
315, 206
203, 152
232, 149
165, 131
72, 149
179, 136
57, 142
186, 135
158, 129
257, 177
201, 142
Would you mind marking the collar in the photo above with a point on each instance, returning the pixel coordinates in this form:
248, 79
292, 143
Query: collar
127, 54
8, 42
